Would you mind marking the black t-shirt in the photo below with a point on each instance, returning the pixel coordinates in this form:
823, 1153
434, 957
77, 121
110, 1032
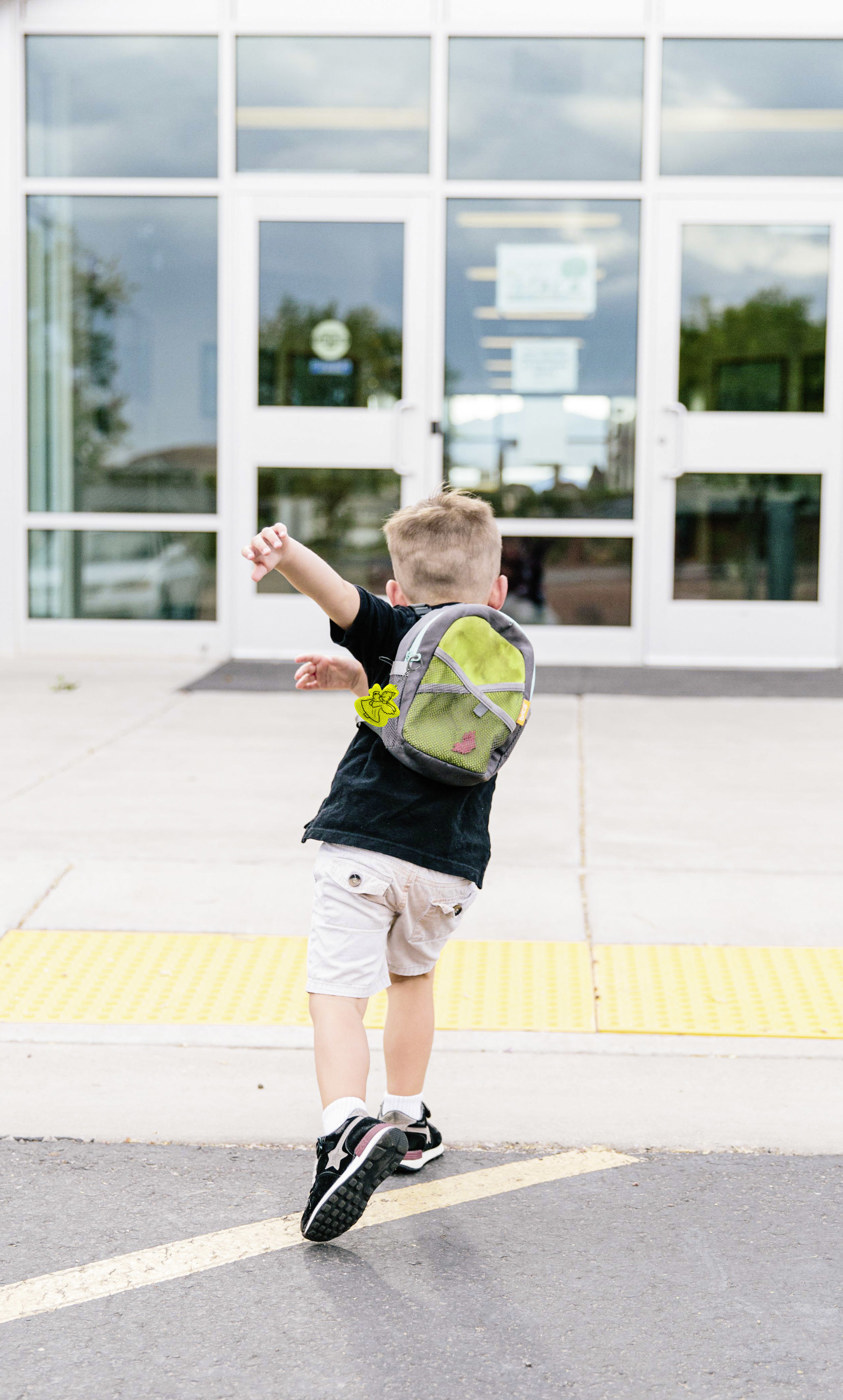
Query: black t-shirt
380, 804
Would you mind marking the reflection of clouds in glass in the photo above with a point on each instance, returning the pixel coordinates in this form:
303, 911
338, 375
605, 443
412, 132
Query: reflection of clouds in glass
121, 106
544, 108
341, 74
753, 72
731, 263
752, 107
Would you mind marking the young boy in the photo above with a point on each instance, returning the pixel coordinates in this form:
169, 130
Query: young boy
402, 856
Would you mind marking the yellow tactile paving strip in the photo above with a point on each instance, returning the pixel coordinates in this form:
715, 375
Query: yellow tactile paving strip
666, 989
217, 979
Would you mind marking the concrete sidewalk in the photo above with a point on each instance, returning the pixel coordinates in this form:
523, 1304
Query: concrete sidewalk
126, 804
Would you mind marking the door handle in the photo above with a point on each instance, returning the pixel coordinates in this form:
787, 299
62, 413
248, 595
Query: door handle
399, 408
680, 411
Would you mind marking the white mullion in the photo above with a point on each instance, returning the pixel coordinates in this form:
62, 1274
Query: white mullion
646, 378
99, 521
545, 189
227, 350
12, 314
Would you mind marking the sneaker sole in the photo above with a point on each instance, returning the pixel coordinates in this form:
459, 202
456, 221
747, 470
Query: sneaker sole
416, 1164
346, 1201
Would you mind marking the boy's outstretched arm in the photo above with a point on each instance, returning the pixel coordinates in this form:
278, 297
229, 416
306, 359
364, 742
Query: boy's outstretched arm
320, 672
273, 548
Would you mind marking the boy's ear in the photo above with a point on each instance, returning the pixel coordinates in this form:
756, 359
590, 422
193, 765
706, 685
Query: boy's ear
395, 594
498, 593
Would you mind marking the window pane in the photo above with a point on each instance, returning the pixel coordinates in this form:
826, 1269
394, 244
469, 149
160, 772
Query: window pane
354, 104
336, 511
122, 574
122, 354
121, 106
752, 107
569, 583
753, 318
747, 537
542, 304
545, 109
331, 313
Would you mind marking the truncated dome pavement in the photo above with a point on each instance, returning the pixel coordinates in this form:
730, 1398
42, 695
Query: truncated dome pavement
78, 977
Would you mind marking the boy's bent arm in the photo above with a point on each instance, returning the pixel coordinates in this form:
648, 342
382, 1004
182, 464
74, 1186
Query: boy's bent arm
274, 549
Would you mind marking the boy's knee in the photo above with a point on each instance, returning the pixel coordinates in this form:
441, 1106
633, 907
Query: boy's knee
420, 977
324, 1007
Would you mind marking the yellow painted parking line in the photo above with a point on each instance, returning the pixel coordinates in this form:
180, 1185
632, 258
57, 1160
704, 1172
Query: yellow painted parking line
715, 990
188, 979
164, 1263
217, 979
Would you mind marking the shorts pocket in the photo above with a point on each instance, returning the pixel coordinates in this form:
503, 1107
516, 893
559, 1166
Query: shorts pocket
454, 908
349, 896
442, 919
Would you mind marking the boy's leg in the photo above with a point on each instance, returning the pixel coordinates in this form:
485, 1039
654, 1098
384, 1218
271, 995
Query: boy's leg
407, 1043
408, 1033
340, 1045
356, 1152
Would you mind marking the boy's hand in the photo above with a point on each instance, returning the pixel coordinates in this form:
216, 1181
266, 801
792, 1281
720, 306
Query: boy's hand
266, 550
331, 673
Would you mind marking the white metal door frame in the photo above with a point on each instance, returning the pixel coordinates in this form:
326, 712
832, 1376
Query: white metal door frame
398, 438
759, 633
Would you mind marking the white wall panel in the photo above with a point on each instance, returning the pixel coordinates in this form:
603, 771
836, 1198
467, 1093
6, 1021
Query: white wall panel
108, 17
616, 17
333, 17
747, 18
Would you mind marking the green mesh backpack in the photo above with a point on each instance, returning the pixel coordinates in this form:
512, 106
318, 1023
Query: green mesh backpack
464, 676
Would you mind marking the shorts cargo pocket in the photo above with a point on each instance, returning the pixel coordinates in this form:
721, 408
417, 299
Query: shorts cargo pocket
455, 908
442, 920
351, 897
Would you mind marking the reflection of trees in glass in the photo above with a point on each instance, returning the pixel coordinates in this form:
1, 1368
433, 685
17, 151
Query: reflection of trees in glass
743, 536
337, 511
608, 493
764, 356
285, 353
98, 421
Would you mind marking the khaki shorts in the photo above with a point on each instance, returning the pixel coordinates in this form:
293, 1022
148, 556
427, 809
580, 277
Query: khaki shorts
374, 915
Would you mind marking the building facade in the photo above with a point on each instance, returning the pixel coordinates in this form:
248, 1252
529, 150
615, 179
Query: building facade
265, 261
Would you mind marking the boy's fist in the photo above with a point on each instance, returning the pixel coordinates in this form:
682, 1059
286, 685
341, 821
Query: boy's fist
266, 550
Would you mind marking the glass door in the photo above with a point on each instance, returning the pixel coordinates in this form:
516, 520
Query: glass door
747, 448
332, 425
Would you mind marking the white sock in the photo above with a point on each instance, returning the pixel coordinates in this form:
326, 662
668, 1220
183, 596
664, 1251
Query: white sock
336, 1113
411, 1104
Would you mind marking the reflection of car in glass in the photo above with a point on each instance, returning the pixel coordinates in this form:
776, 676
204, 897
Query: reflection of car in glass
149, 575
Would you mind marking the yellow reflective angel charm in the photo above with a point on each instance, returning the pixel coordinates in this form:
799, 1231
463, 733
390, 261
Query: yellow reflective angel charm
379, 705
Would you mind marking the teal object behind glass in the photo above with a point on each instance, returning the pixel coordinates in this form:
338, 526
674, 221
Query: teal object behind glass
112, 105
540, 362
353, 104
577, 582
324, 287
753, 328
338, 511
752, 107
122, 353
545, 109
123, 574
746, 536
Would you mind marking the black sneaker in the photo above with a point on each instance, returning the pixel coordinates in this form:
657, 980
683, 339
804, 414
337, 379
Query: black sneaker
424, 1142
350, 1164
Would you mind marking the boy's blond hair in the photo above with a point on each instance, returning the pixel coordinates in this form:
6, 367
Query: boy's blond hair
446, 549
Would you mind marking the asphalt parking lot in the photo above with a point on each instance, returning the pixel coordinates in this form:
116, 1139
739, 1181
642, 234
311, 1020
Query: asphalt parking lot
714, 1276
